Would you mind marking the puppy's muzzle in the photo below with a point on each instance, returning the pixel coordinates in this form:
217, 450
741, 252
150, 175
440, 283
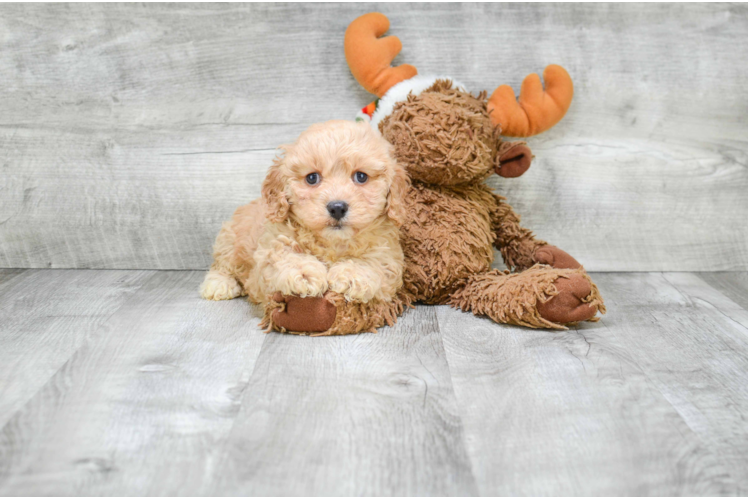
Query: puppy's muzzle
337, 209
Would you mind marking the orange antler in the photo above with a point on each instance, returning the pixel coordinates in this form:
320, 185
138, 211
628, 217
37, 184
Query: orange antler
369, 56
536, 111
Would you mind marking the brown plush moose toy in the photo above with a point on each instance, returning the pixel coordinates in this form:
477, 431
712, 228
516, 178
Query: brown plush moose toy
448, 141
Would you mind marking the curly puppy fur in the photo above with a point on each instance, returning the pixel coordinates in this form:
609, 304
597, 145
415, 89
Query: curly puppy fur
445, 140
288, 241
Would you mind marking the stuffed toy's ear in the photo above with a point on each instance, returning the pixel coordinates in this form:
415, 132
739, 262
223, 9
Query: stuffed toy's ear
396, 196
274, 193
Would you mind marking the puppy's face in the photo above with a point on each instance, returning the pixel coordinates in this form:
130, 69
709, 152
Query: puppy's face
336, 179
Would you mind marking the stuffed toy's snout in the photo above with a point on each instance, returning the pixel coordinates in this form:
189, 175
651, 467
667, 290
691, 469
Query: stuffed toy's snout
513, 161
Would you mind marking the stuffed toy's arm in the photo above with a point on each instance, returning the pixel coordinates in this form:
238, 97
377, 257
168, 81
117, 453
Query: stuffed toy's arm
519, 247
516, 244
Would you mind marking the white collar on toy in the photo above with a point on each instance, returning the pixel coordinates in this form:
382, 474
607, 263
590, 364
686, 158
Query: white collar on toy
399, 92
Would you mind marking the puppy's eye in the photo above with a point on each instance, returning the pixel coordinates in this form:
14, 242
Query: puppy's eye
360, 178
312, 179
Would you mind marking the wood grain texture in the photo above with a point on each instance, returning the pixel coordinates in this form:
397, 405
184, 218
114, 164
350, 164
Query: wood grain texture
157, 392
692, 342
732, 285
129, 132
45, 316
588, 411
144, 406
10, 274
371, 415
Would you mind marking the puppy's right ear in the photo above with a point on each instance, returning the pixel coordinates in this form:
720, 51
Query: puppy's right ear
274, 193
399, 186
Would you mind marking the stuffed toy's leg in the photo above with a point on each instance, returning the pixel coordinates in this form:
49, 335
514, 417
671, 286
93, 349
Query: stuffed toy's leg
540, 297
330, 314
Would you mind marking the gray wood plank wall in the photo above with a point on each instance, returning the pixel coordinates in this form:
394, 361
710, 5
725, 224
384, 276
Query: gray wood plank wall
129, 132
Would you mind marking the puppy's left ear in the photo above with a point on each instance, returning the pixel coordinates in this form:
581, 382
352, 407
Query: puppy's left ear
396, 196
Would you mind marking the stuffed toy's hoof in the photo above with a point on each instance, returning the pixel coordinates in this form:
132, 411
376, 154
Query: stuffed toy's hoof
540, 297
555, 257
515, 161
308, 314
572, 303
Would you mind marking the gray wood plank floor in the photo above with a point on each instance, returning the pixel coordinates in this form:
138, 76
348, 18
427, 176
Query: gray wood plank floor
126, 383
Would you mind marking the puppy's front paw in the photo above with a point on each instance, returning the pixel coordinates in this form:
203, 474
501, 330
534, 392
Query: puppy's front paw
308, 279
217, 286
353, 282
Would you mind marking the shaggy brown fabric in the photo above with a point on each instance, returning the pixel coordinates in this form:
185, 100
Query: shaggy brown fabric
449, 143
513, 298
447, 237
445, 141
443, 136
350, 317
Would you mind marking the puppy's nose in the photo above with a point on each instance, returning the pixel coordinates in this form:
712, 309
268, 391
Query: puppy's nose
337, 209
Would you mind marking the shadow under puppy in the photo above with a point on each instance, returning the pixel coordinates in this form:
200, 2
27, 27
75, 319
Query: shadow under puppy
320, 250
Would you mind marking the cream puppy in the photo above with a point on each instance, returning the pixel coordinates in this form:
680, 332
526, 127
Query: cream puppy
328, 219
